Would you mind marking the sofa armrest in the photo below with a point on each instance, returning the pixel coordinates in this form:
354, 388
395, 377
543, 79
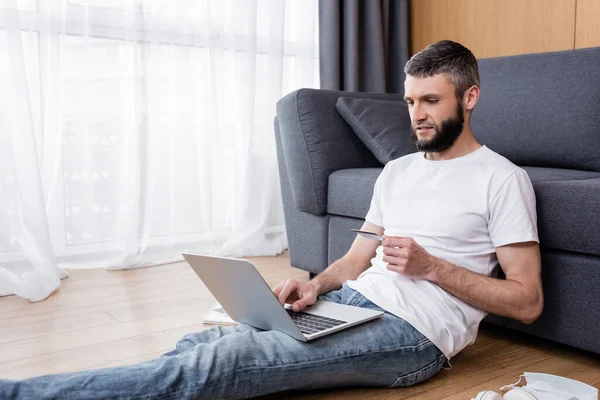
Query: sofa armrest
316, 141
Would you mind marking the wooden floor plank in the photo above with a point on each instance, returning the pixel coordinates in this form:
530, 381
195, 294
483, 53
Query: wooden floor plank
85, 357
87, 306
54, 327
100, 277
178, 333
56, 299
124, 288
96, 300
99, 334
192, 304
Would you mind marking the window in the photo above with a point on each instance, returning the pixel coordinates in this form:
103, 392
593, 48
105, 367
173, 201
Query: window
151, 110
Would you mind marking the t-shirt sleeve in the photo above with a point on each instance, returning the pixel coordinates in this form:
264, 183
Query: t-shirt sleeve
513, 217
375, 214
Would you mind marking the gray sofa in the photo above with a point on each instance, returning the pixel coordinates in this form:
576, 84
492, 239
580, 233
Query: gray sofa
542, 111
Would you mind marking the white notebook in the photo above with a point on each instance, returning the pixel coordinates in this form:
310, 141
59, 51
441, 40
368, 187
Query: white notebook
218, 315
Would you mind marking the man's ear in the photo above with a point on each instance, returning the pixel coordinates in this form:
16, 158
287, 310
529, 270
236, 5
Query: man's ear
471, 97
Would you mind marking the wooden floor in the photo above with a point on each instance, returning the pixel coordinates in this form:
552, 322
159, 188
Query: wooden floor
104, 318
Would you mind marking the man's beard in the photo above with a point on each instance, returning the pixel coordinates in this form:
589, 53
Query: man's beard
444, 136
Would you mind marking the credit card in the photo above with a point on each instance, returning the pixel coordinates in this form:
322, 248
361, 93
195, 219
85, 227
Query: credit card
368, 235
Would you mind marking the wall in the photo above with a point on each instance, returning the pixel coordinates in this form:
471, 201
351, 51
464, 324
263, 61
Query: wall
491, 28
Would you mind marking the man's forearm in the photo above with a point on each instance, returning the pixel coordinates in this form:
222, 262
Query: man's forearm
335, 275
502, 297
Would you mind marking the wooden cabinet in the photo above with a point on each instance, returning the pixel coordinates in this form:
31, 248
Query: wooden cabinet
587, 24
493, 28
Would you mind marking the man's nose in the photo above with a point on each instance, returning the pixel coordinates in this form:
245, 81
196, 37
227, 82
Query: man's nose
418, 114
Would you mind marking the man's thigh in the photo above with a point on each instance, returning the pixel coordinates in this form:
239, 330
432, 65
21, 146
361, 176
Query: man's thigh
385, 352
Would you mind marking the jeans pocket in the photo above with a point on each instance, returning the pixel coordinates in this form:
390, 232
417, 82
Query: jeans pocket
353, 297
425, 373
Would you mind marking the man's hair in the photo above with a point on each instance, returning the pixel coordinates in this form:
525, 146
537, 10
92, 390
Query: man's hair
449, 58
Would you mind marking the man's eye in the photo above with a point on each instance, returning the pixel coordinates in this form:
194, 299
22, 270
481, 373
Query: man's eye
410, 103
432, 101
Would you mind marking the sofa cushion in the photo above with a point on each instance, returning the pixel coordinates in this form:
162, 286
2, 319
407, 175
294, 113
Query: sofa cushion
542, 109
571, 299
382, 125
350, 191
316, 141
568, 204
539, 174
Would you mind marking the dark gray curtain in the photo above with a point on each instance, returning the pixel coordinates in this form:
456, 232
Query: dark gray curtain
363, 44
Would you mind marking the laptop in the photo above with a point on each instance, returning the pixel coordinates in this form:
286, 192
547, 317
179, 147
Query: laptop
243, 293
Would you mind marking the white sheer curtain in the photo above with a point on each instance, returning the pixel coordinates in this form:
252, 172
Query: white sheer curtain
131, 131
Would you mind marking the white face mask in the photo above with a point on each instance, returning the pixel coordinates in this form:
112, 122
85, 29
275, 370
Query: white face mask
552, 387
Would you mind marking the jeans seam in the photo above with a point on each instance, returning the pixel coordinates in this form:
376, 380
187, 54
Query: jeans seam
434, 364
423, 344
352, 297
362, 302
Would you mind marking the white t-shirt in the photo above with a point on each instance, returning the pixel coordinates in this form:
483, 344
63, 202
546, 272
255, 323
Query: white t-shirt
459, 210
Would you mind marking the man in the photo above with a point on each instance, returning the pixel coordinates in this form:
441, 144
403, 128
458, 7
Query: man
449, 214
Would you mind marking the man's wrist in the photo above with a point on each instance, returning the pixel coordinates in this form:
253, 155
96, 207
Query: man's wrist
438, 269
316, 283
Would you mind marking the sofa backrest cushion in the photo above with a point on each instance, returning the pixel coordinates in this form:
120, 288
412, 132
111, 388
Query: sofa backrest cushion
542, 109
316, 141
382, 125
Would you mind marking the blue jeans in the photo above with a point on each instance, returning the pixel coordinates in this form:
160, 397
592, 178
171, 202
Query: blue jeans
240, 362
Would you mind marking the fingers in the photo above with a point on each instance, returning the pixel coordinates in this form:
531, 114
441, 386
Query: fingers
277, 289
397, 241
398, 261
400, 269
395, 255
289, 287
298, 306
305, 301
394, 251
290, 290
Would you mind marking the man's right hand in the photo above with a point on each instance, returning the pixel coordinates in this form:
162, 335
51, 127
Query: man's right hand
296, 293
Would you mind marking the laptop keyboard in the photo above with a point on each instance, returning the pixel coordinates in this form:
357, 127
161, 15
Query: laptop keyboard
311, 323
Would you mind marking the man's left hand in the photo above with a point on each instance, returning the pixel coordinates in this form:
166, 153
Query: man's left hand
407, 257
